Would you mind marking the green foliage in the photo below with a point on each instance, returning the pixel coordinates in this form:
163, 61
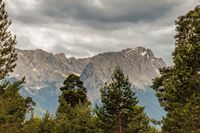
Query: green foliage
139, 122
119, 111
73, 90
178, 87
37, 125
77, 120
152, 130
74, 114
7, 44
47, 124
12, 107
32, 126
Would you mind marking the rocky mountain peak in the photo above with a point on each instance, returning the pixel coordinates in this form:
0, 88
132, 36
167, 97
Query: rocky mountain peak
45, 72
60, 55
38, 51
41, 67
139, 51
139, 64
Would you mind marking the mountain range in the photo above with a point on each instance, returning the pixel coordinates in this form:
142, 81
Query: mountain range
45, 73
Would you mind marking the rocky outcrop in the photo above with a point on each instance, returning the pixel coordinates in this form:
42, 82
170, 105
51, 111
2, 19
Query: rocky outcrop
139, 64
45, 73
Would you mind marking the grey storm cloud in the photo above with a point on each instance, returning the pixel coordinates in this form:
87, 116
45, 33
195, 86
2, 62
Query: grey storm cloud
84, 28
101, 11
107, 11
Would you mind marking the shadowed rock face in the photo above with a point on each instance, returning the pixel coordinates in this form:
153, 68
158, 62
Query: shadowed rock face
45, 73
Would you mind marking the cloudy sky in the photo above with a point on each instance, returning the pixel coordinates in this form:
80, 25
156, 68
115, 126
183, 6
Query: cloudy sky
83, 28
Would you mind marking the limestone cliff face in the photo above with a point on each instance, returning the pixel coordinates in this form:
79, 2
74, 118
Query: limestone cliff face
42, 68
45, 73
139, 64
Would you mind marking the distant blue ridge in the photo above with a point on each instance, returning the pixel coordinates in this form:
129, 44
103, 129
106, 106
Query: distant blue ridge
148, 99
46, 99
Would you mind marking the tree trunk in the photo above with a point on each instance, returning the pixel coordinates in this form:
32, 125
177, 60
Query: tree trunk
120, 125
119, 128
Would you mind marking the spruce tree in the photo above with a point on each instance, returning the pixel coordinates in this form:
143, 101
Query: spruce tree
119, 111
7, 44
178, 87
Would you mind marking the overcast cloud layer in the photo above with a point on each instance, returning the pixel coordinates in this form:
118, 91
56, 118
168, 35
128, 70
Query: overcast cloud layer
83, 28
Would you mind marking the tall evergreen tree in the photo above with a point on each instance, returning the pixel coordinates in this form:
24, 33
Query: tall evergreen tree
7, 44
74, 114
73, 90
178, 88
119, 112
12, 105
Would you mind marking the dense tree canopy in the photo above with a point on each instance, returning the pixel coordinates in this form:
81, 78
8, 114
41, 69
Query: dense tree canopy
73, 90
178, 88
74, 114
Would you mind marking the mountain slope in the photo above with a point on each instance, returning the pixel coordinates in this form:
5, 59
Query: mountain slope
41, 68
45, 73
139, 64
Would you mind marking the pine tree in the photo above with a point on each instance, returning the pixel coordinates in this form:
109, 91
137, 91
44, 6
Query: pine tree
73, 91
74, 114
119, 112
12, 105
178, 87
7, 44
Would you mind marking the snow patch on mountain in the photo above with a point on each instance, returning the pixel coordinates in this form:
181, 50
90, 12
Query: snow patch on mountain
144, 53
45, 73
